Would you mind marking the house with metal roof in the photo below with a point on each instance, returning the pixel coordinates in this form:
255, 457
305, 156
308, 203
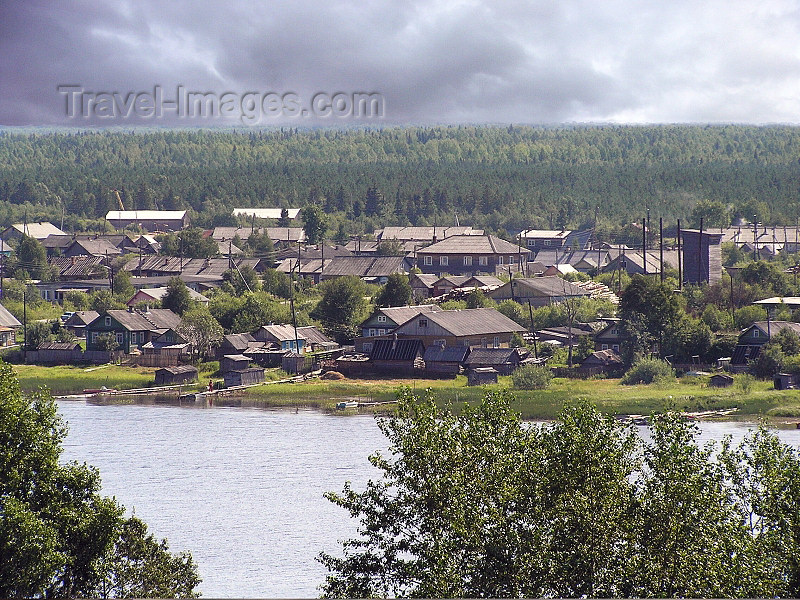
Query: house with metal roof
77, 321
755, 337
285, 336
156, 294
385, 320
470, 255
130, 328
99, 246
502, 360
446, 361
475, 327
394, 355
38, 231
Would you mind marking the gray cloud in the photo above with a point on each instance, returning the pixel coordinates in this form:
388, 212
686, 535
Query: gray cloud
434, 62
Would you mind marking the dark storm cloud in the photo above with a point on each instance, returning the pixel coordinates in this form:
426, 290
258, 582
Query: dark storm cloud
432, 61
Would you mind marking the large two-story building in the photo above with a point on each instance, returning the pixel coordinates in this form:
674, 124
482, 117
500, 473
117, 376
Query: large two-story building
470, 255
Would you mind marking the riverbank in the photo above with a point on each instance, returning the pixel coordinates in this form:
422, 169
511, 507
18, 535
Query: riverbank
756, 399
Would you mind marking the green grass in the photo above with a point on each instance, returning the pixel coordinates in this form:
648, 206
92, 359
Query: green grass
691, 394
63, 380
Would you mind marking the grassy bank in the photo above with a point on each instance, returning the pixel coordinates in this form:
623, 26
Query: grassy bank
688, 393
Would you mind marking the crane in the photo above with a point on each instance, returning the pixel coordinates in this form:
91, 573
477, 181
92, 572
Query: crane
119, 200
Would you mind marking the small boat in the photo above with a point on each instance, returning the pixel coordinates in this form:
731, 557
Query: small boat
345, 405
102, 390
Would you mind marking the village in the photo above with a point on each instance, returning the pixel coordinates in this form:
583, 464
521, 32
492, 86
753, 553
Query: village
440, 301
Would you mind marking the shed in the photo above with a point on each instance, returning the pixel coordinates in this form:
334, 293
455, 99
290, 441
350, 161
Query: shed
248, 376
57, 353
482, 376
292, 362
445, 360
608, 360
721, 380
784, 381
176, 375
503, 360
233, 362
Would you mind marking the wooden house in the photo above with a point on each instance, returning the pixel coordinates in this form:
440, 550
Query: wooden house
422, 285
755, 337
176, 375
56, 353
721, 380
608, 360
401, 356
611, 336
130, 328
284, 336
385, 320
539, 291
9, 325
470, 255
233, 362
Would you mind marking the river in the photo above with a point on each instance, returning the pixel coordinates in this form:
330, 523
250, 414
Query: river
242, 489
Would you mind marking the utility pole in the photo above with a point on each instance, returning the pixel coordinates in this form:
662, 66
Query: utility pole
680, 259
644, 246
661, 244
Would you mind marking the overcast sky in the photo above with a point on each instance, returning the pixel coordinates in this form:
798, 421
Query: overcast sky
432, 62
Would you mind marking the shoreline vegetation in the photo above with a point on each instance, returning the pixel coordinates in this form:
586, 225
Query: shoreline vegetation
753, 400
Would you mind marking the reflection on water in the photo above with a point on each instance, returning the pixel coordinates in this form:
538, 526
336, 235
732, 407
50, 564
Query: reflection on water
242, 488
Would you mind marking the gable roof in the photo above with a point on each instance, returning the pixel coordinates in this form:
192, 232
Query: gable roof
774, 327
548, 286
156, 318
365, 266
282, 333
39, 231
95, 247
473, 244
424, 233
313, 335
145, 215
396, 349
401, 314
81, 318
7, 319
266, 213
471, 321
158, 293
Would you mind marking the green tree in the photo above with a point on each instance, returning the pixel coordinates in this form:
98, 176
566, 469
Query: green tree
277, 283
37, 333
31, 256
396, 292
315, 224
341, 307
122, 286
242, 280
713, 212
178, 299
58, 536
200, 329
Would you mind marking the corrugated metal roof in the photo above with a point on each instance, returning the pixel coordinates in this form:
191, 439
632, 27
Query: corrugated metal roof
445, 354
365, 266
402, 350
401, 314
491, 356
424, 233
283, 333
313, 335
550, 286
40, 230
266, 213
157, 318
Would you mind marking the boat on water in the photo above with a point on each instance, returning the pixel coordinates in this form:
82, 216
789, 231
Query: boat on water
346, 405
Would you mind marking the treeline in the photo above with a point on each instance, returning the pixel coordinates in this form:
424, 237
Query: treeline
501, 179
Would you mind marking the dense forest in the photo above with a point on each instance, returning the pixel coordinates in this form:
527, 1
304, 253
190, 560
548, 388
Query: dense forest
500, 178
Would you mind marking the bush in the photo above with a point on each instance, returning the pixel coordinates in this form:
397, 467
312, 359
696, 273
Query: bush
745, 382
532, 377
648, 370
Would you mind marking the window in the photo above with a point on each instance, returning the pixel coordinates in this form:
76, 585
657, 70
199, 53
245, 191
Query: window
381, 332
545, 242
442, 261
499, 260
467, 261
108, 321
531, 243
133, 338
604, 346
615, 347
483, 342
756, 333
381, 318
441, 343
615, 332
119, 338
511, 260
94, 336
371, 333
367, 347
482, 261
496, 342
428, 260
423, 322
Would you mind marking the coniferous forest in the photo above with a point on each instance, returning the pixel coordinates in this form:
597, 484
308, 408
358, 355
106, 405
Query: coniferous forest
502, 179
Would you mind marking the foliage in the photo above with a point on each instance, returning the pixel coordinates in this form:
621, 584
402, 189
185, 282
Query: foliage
58, 536
178, 299
765, 274
242, 279
390, 248
477, 299
476, 503
30, 256
747, 315
713, 212
768, 362
76, 300
103, 301
201, 330
584, 349
121, 285
277, 283
342, 306
188, 243
532, 377
37, 333
106, 342
647, 370
788, 340
315, 224
396, 292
